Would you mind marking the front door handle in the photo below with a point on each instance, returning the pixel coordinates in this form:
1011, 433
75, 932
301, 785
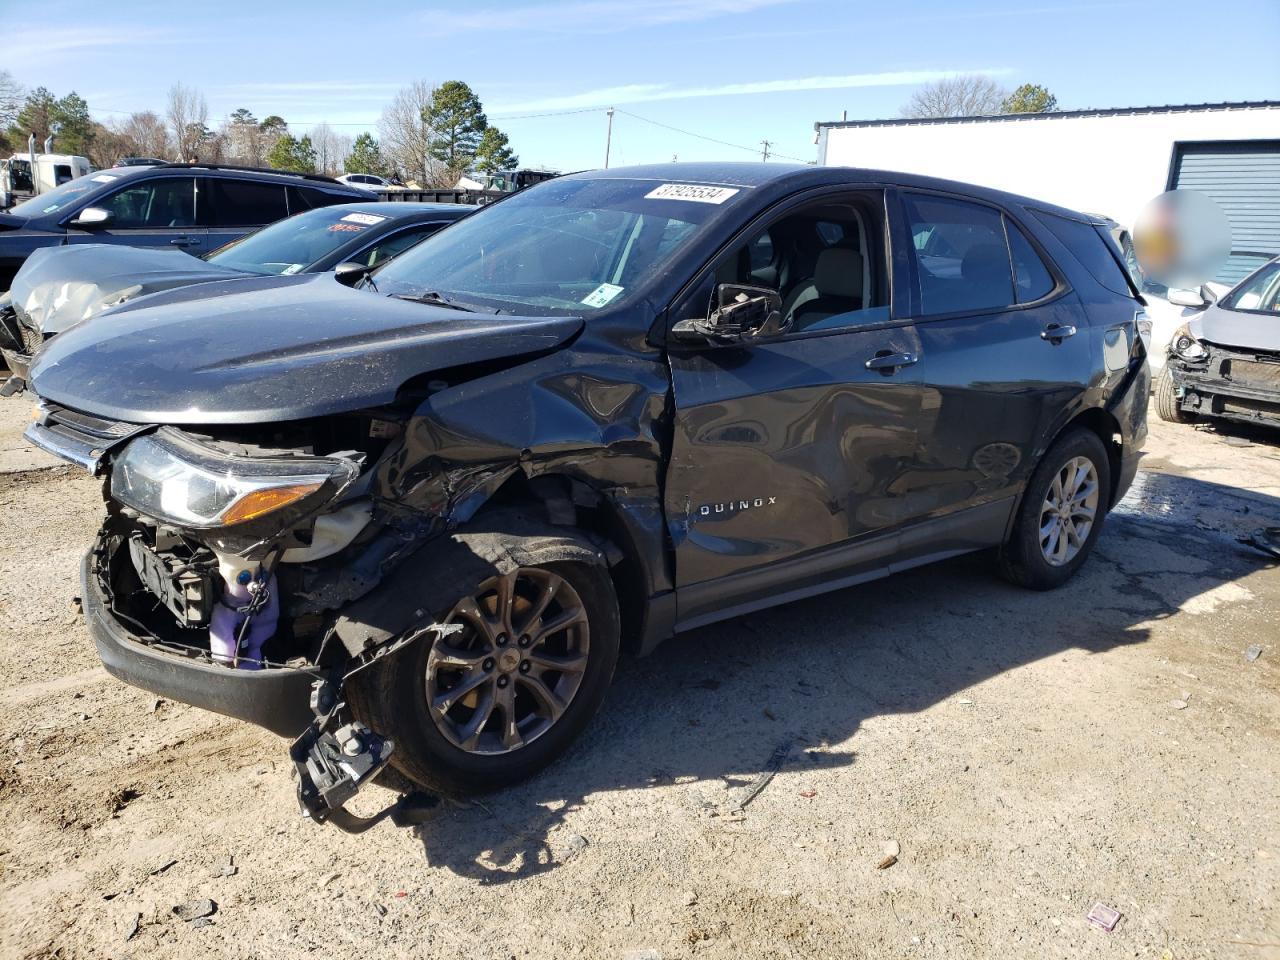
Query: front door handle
1057, 332
889, 363
185, 241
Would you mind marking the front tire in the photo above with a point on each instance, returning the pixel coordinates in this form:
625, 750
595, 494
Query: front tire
1167, 406
495, 703
1061, 513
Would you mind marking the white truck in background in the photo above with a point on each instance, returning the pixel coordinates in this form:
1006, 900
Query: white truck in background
27, 174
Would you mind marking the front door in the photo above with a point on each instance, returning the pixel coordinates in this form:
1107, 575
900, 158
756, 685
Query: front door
791, 448
155, 212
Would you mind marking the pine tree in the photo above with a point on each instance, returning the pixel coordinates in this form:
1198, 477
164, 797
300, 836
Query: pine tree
494, 152
457, 123
366, 157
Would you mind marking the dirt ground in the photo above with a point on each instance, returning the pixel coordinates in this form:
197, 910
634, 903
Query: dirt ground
1029, 754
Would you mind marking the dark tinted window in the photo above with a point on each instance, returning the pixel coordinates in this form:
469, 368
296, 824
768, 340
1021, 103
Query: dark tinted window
961, 256
1090, 250
308, 198
154, 203
243, 203
1031, 278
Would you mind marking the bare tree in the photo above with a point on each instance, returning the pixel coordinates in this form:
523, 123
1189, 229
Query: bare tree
145, 136
967, 95
188, 118
11, 96
406, 136
331, 149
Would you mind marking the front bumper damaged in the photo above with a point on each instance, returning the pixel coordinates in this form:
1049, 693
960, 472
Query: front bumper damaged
334, 756
1239, 385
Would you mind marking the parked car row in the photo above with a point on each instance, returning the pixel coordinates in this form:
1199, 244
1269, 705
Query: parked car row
61, 286
194, 207
414, 518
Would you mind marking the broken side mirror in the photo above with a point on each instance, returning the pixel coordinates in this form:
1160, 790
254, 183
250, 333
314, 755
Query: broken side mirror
741, 313
350, 273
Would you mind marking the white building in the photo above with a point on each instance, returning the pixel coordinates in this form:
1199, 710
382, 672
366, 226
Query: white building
1108, 162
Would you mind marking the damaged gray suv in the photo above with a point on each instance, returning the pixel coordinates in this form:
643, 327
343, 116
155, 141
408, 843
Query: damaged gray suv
416, 521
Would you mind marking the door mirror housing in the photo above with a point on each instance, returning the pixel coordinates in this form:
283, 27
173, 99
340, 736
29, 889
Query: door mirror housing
351, 272
1187, 298
92, 218
741, 313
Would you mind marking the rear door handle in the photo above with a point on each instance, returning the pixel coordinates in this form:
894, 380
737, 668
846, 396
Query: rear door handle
185, 241
1057, 332
888, 363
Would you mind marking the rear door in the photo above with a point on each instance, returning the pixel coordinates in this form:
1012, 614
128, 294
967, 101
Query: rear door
789, 451
1006, 358
160, 211
236, 207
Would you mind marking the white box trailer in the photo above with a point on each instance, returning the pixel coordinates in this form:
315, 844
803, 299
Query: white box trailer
1108, 162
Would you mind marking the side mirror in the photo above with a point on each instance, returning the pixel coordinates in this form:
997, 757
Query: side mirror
741, 313
1187, 298
1209, 293
92, 217
350, 273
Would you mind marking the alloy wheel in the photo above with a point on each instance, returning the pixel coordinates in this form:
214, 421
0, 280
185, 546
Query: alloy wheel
512, 672
1069, 510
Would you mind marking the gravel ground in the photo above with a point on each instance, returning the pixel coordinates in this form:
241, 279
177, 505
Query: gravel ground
1026, 755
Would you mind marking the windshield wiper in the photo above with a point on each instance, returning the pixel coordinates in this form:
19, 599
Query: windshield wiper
435, 298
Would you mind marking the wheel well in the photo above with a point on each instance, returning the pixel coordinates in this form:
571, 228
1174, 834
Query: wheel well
1108, 430
568, 502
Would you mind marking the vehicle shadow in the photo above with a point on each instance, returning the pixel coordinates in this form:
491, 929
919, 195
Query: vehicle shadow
715, 704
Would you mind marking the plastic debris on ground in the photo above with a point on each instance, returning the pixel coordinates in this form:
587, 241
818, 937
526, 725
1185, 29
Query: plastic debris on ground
1103, 917
1253, 652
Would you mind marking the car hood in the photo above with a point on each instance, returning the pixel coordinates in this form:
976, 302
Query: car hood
1234, 328
270, 349
59, 286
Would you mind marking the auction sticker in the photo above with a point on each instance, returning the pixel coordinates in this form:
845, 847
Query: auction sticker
104, 178
368, 219
691, 191
601, 295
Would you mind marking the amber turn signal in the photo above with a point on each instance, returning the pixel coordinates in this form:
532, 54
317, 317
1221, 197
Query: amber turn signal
258, 502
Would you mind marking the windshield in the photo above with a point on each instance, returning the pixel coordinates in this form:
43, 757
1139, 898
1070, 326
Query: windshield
292, 245
1260, 293
59, 198
566, 247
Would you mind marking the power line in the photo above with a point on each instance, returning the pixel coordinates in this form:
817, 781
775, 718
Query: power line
723, 143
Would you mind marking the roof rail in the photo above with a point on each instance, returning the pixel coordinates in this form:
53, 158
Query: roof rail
232, 166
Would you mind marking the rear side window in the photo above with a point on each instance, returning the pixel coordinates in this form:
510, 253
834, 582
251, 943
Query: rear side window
243, 203
962, 259
1090, 250
308, 198
1031, 278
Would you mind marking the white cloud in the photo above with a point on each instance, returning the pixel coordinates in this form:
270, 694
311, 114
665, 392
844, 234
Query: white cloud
30, 49
598, 16
649, 92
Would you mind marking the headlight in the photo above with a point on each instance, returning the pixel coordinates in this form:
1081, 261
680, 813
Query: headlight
1186, 346
170, 476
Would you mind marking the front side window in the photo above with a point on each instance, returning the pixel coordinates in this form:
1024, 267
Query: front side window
571, 246
244, 203
825, 260
961, 256
292, 245
1259, 293
170, 202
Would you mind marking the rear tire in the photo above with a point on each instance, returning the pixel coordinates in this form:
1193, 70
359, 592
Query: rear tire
441, 742
1061, 513
1167, 406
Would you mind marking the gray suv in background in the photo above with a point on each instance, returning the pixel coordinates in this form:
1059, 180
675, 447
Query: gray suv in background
188, 206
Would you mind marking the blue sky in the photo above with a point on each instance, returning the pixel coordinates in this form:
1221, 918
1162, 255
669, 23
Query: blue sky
738, 71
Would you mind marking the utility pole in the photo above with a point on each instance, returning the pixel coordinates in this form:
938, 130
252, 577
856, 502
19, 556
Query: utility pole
764, 154
608, 137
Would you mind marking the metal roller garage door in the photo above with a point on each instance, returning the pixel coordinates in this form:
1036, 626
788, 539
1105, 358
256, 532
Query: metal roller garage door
1243, 177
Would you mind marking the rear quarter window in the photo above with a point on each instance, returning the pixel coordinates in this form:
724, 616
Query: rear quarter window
1090, 250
